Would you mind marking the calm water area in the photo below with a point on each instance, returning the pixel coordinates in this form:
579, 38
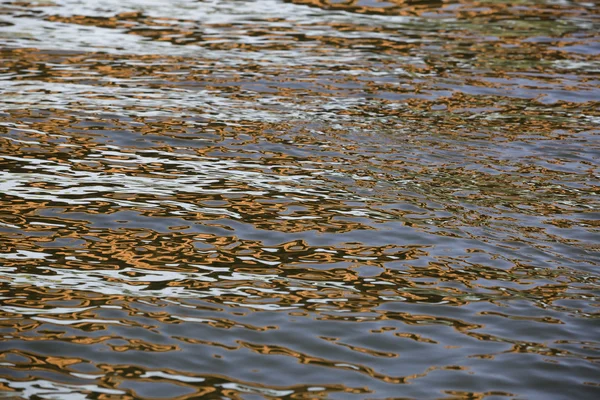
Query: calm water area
301, 199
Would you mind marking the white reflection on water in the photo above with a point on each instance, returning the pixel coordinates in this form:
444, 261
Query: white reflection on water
45, 389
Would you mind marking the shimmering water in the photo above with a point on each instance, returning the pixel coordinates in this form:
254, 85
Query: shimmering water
299, 199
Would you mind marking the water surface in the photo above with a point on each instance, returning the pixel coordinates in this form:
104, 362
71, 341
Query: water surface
299, 199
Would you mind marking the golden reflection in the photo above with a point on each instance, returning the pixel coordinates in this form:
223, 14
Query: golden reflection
384, 7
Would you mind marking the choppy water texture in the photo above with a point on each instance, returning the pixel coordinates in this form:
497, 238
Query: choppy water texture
299, 199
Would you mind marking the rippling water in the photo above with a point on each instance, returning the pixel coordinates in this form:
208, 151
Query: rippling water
299, 199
